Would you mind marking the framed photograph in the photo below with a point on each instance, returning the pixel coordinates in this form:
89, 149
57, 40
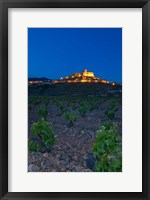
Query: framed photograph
74, 99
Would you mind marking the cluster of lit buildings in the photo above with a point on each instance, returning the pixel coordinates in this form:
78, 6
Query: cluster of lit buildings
38, 81
83, 77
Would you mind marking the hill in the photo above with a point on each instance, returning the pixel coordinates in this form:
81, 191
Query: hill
100, 89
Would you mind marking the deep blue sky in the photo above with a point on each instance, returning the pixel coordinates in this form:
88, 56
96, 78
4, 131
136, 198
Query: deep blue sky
58, 52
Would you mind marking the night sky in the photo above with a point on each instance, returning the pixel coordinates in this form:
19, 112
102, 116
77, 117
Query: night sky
60, 52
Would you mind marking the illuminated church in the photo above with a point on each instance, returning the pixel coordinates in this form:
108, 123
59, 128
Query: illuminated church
85, 73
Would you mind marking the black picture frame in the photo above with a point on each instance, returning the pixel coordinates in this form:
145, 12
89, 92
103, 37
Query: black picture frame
4, 6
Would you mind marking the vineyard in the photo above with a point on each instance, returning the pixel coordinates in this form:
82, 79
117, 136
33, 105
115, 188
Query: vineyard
81, 133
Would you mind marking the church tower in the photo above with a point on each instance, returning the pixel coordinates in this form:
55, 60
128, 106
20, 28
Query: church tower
85, 73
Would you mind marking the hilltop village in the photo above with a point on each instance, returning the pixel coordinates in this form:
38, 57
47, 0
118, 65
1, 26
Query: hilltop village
83, 77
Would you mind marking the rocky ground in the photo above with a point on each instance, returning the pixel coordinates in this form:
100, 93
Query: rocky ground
73, 149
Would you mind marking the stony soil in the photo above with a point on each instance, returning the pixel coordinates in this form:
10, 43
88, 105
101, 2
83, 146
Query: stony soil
73, 149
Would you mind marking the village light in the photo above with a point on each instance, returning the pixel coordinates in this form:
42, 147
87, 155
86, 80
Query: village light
83, 77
